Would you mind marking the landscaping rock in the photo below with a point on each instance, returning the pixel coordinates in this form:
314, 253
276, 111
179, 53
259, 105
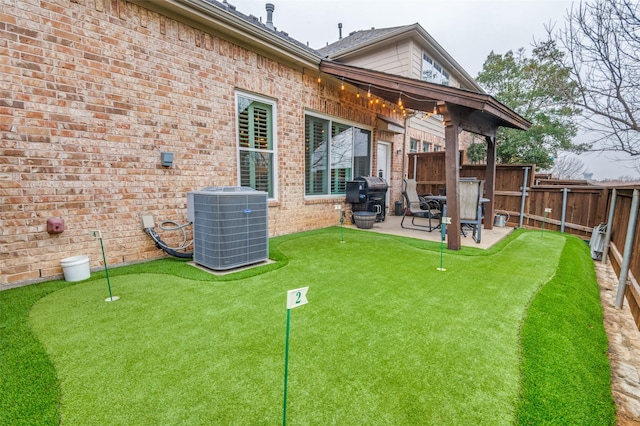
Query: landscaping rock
624, 348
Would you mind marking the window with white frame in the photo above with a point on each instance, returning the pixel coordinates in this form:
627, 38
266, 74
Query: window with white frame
256, 143
426, 146
335, 153
437, 148
433, 72
413, 145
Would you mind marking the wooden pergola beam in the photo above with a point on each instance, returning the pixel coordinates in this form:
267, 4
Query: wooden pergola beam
478, 113
422, 95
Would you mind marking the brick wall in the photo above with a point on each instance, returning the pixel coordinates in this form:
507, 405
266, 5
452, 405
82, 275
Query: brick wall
92, 91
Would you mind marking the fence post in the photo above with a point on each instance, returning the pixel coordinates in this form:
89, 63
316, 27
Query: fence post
628, 245
607, 235
524, 194
564, 208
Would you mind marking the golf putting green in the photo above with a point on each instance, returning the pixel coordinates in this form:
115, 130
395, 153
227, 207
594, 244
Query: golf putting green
384, 339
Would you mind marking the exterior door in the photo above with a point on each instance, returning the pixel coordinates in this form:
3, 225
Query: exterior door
384, 167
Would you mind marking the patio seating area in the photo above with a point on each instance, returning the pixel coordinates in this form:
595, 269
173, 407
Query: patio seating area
391, 225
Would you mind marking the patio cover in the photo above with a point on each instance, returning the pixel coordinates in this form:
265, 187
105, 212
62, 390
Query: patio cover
461, 110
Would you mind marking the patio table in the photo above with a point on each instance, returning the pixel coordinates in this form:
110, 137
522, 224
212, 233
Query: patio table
442, 199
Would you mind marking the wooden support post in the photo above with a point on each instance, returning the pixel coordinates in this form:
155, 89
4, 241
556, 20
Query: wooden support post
490, 183
452, 175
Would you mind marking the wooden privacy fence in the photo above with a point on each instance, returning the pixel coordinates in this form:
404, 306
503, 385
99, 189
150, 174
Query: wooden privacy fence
576, 207
621, 219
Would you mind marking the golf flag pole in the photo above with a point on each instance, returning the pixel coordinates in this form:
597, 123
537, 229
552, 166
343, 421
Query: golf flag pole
111, 298
544, 219
286, 371
443, 230
295, 298
339, 207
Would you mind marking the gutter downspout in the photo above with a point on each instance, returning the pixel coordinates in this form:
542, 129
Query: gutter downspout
405, 163
404, 147
628, 246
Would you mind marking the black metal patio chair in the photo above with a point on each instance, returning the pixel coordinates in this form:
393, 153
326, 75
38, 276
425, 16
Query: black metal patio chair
419, 207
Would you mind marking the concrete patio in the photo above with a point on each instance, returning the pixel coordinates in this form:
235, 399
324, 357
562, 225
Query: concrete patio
391, 226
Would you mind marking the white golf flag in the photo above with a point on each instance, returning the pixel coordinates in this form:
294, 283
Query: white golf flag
297, 297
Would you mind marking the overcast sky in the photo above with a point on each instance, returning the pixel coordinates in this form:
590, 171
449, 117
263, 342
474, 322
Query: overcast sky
468, 29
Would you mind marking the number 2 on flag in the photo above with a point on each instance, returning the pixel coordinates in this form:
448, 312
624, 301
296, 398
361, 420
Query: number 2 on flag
297, 297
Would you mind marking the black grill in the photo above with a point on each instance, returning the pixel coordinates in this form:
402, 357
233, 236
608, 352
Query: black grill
368, 193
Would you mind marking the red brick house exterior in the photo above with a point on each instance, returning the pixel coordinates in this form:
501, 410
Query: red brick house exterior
91, 93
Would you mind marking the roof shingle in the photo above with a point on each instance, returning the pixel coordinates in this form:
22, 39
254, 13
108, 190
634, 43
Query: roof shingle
258, 23
357, 38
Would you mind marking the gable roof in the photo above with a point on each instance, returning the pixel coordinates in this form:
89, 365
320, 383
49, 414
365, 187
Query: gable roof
357, 40
224, 18
360, 41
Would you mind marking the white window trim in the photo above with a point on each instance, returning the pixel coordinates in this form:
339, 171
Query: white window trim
443, 71
417, 147
348, 123
274, 150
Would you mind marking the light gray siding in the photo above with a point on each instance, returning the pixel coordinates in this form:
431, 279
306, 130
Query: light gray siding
416, 61
453, 82
392, 58
430, 125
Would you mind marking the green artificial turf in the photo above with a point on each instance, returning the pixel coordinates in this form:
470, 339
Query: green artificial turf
385, 338
29, 392
564, 347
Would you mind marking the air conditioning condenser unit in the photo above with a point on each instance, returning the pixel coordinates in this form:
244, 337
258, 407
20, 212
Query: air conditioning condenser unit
230, 226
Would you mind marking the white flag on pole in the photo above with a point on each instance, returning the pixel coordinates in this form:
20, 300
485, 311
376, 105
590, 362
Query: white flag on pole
297, 297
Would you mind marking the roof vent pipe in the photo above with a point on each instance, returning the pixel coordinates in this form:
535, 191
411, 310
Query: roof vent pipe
340, 31
270, 8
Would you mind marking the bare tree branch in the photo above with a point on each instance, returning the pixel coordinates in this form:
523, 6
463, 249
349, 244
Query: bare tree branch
568, 167
602, 41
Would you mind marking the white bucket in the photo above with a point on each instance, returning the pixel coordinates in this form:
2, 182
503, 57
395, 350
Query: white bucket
76, 268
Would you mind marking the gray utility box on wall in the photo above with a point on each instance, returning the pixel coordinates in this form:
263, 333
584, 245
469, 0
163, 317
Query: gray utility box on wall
230, 226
